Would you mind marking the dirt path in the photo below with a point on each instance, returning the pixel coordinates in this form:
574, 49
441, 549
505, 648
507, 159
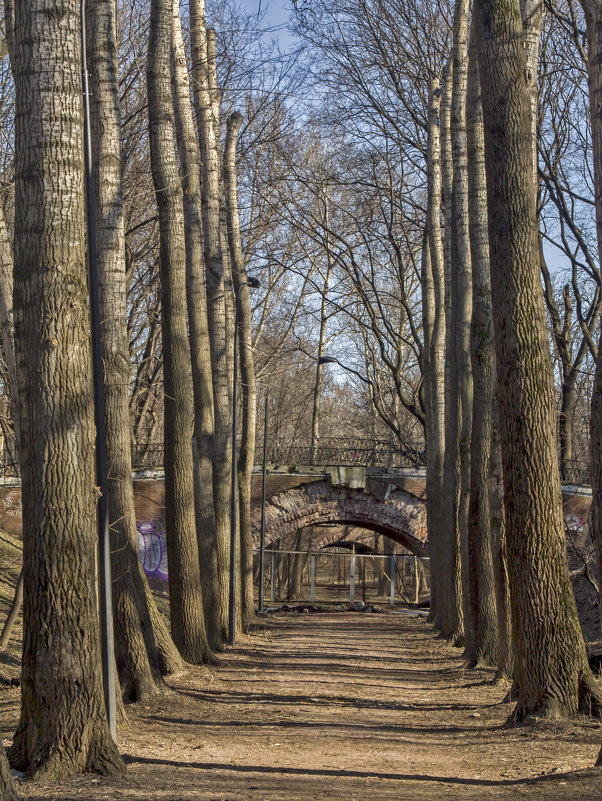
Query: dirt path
338, 706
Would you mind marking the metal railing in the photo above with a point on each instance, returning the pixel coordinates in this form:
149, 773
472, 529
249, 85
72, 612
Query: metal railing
340, 451
343, 452
333, 578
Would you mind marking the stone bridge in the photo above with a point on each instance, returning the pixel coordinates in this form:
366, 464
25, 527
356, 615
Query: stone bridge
387, 501
372, 503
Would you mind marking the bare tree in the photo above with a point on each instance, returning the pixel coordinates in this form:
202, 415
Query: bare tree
552, 672
200, 347
246, 456
63, 729
138, 662
186, 607
481, 597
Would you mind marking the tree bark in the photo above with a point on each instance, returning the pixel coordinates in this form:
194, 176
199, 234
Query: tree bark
8, 350
135, 645
552, 672
63, 729
482, 599
593, 19
7, 786
450, 622
505, 652
200, 347
434, 351
461, 304
186, 604
246, 456
203, 62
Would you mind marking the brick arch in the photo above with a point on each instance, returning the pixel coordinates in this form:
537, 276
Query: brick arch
384, 509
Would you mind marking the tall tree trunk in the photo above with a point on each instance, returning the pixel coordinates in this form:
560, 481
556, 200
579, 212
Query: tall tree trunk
505, 652
186, 605
319, 380
203, 62
63, 729
200, 347
552, 672
246, 457
593, 18
461, 302
434, 349
450, 622
135, 646
568, 402
482, 599
8, 350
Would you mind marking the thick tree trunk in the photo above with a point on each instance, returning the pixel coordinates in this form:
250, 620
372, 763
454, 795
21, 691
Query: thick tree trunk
593, 18
186, 604
203, 62
552, 673
461, 300
482, 604
450, 623
434, 350
63, 729
199, 334
246, 457
135, 646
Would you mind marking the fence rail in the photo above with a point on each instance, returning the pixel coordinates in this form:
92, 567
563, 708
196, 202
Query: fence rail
327, 577
339, 451
329, 452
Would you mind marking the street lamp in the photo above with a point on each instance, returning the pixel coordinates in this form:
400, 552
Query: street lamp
252, 283
332, 360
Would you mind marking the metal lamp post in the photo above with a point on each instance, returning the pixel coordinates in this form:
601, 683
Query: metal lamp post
104, 547
253, 283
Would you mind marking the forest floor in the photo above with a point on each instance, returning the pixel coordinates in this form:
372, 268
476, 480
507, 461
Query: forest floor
336, 706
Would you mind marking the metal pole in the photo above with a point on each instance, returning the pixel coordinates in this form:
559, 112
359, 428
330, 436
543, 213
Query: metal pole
104, 546
363, 575
392, 571
263, 481
234, 490
352, 578
312, 573
273, 583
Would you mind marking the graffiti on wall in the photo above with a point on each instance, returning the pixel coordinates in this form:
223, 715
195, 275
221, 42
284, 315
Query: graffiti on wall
152, 549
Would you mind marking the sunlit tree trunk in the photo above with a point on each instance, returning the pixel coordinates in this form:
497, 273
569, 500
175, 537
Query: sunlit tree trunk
186, 606
135, 644
200, 347
246, 456
450, 622
505, 653
552, 674
63, 729
203, 63
461, 300
481, 600
434, 348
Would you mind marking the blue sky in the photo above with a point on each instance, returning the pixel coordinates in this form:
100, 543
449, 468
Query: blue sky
276, 13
